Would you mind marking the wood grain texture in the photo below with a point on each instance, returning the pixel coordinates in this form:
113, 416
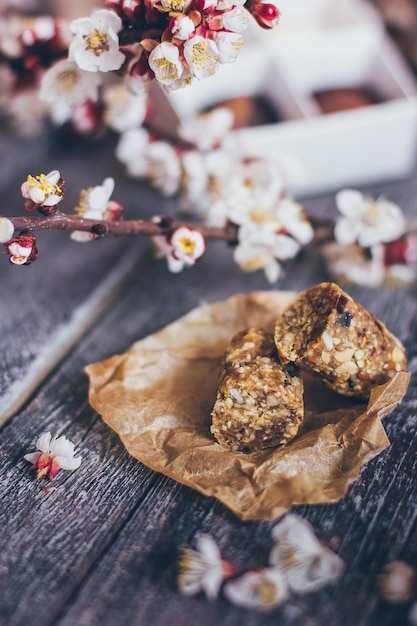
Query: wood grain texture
99, 545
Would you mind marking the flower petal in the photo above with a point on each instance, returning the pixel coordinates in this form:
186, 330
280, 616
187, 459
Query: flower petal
69, 462
350, 202
32, 457
43, 442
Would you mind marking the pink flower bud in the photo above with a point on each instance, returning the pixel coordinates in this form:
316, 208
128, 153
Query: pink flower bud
266, 14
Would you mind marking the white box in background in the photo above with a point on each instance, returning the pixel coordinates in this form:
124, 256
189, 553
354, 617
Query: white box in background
317, 45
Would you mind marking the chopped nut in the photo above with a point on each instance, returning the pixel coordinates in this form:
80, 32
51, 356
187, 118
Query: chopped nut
327, 340
344, 355
347, 367
397, 354
325, 357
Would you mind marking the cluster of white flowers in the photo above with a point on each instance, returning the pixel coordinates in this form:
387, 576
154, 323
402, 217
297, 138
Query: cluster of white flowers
224, 187
298, 563
272, 226
371, 246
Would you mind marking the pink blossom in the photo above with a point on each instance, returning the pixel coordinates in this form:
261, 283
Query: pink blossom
53, 454
22, 249
181, 249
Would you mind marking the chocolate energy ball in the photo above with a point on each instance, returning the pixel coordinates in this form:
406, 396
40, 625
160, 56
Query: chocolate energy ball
259, 403
327, 334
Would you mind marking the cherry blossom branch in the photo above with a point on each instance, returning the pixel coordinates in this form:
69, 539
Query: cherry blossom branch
158, 226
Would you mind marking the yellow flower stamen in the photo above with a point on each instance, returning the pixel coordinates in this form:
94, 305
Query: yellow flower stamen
188, 245
291, 558
202, 57
42, 182
266, 592
68, 79
97, 43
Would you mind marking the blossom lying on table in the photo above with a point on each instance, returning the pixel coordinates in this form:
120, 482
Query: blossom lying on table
262, 590
305, 561
298, 562
54, 454
372, 245
203, 569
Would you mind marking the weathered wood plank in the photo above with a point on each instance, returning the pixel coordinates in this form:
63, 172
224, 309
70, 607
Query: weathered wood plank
46, 308
101, 548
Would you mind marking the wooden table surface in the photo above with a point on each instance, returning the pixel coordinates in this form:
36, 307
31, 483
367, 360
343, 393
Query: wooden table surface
100, 547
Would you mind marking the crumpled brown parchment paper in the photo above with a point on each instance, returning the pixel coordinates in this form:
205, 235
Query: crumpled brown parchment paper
158, 397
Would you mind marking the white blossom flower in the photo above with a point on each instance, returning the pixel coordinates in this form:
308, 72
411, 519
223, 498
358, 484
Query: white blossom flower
163, 167
181, 249
44, 190
95, 47
294, 220
202, 56
53, 455
65, 86
254, 191
182, 81
194, 181
383, 263
306, 563
6, 229
123, 109
188, 245
236, 19
260, 247
165, 62
367, 221
202, 569
182, 27
261, 590
95, 204
229, 46
207, 129
131, 151
350, 264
